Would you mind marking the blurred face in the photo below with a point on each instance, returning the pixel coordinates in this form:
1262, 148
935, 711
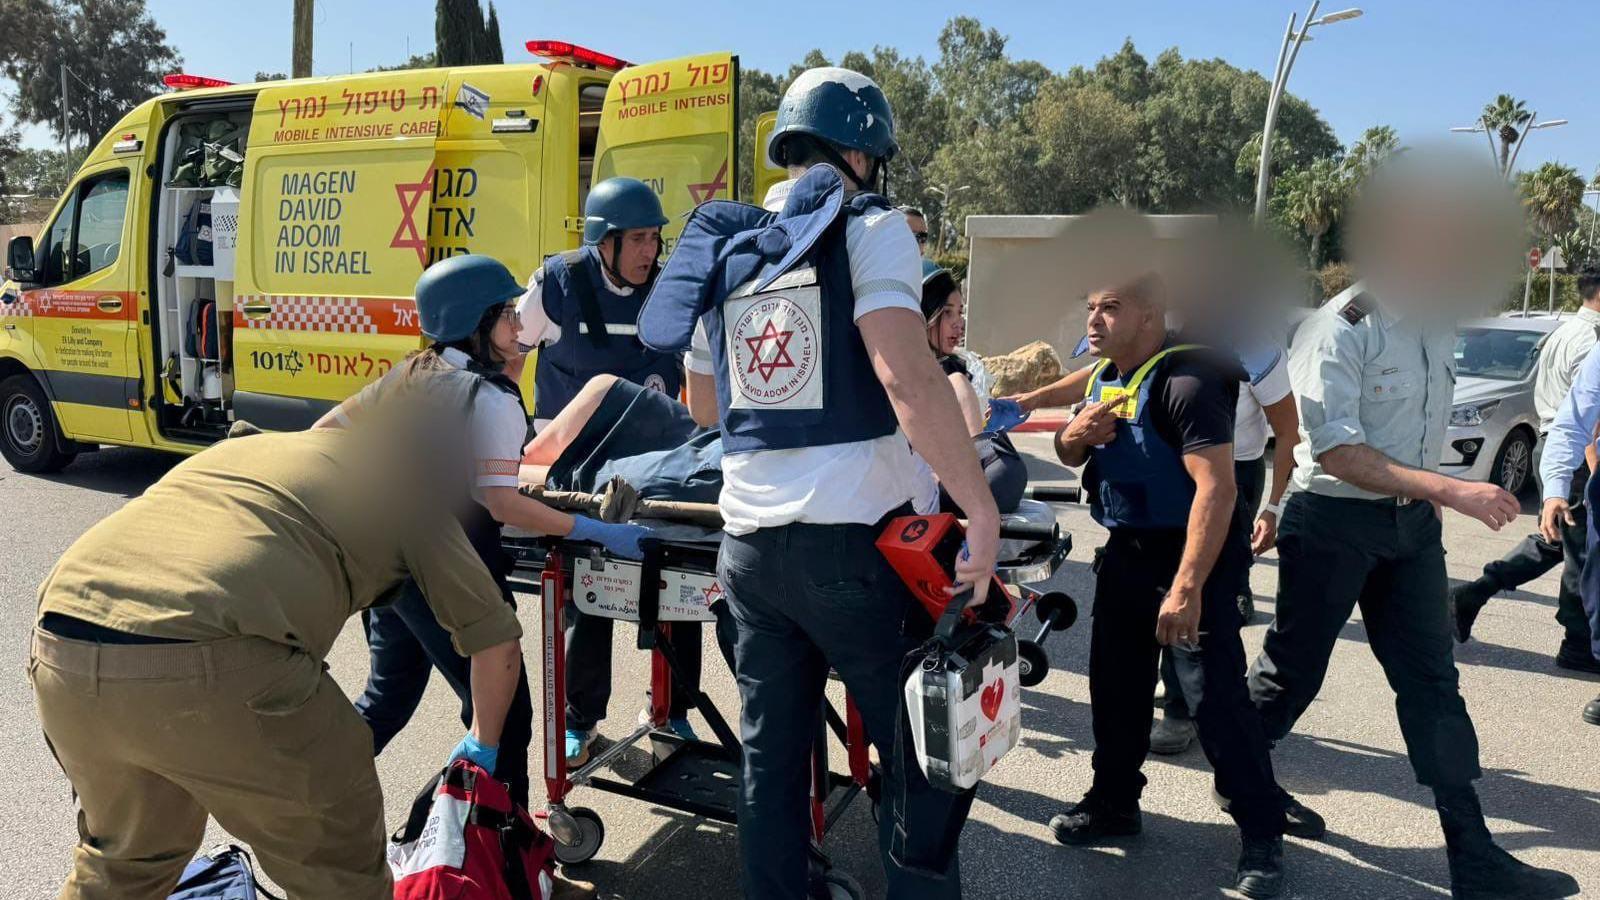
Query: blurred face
503, 337
640, 247
946, 331
1119, 324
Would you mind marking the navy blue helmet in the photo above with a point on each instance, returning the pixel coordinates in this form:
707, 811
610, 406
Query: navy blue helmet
453, 294
618, 204
844, 108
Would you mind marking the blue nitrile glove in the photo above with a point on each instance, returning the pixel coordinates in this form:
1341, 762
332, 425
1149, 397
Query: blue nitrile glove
469, 749
1004, 415
621, 538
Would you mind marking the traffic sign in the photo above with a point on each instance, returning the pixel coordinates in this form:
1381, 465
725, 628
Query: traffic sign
1534, 256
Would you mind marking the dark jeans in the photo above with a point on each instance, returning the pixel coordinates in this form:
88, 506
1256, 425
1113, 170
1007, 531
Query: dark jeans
804, 599
1334, 553
589, 667
1591, 573
1250, 475
1133, 571
406, 644
1536, 556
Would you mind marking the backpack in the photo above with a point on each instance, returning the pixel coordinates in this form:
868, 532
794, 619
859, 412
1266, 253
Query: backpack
202, 340
222, 874
194, 237
465, 840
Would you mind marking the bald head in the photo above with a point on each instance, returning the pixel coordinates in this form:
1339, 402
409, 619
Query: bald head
1127, 321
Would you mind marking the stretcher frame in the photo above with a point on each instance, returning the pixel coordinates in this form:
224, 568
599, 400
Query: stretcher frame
546, 566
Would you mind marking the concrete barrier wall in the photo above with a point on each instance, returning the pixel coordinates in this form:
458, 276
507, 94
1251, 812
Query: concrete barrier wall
1017, 264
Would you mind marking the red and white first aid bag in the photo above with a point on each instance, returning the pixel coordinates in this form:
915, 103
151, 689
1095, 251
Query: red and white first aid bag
963, 700
465, 840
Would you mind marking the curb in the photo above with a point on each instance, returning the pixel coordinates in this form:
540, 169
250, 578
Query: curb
1037, 423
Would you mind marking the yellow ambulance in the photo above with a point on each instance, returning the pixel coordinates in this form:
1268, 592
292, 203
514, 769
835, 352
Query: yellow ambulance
249, 251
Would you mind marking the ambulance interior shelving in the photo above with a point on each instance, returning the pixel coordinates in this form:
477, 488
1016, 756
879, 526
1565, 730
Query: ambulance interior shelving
194, 268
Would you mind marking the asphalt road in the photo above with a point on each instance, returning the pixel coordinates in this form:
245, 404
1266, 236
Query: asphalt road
1541, 785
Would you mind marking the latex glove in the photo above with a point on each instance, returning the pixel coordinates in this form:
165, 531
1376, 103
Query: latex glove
1004, 415
476, 753
621, 538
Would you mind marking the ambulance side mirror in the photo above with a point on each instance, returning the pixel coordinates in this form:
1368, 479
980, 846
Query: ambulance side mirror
20, 263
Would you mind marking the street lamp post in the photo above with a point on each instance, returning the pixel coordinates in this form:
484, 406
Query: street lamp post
1511, 163
944, 210
1287, 53
1596, 195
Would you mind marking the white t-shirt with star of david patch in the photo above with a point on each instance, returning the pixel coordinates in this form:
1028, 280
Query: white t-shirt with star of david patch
851, 483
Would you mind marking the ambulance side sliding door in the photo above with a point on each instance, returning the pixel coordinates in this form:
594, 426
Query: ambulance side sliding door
338, 184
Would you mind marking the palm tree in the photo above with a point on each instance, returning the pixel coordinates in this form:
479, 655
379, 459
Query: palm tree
1374, 146
1504, 116
1552, 194
1314, 200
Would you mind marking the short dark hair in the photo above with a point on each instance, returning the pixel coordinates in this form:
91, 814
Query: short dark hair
1589, 283
911, 211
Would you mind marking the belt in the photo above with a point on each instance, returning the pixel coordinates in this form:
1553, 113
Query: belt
129, 661
1381, 502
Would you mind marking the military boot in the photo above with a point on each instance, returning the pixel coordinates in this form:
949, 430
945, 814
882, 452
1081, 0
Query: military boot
1480, 870
1467, 600
1591, 712
1092, 820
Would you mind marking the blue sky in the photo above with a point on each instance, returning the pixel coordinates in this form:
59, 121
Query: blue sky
1419, 65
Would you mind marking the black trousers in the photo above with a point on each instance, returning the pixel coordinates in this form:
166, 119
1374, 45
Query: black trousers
1250, 475
1334, 553
1133, 571
1536, 556
589, 667
804, 599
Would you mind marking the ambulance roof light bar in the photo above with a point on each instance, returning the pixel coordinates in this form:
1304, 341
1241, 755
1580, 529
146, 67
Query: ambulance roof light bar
184, 82
570, 52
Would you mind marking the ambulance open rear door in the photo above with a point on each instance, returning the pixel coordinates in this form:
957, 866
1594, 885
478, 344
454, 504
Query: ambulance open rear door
334, 215
674, 125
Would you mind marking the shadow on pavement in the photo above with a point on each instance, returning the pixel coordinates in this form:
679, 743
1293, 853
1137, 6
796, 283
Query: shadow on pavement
126, 471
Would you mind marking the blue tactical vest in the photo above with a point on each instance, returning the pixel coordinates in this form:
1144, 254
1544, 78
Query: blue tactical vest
599, 335
779, 308
1143, 483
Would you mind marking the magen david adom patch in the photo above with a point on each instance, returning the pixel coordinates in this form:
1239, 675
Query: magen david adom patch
775, 347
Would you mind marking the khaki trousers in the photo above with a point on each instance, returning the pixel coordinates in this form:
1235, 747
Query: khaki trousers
154, 737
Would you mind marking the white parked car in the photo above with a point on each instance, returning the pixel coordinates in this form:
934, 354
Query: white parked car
1493, 426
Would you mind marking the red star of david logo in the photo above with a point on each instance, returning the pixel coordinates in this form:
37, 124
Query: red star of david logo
405, 234
588, 580
705, 190
713, 593
779, 359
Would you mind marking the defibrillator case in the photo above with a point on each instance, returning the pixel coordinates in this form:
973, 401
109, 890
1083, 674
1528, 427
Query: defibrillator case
963, 704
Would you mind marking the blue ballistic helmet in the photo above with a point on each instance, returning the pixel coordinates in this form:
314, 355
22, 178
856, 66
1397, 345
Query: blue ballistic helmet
937, 285
844, 108
453, 294
618, 204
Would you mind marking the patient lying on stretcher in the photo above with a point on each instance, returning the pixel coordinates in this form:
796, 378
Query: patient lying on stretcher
616, 428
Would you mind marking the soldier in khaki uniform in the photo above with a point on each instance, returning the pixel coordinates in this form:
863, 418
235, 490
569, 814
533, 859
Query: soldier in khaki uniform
178, 659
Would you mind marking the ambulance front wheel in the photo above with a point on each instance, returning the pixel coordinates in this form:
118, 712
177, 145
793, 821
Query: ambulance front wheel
30, 438
1032, 663
591, 834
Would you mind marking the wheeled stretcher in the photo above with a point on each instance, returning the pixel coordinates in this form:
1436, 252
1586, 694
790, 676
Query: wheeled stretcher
677, 582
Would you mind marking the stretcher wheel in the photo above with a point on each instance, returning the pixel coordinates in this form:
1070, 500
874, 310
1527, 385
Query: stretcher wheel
1032, 663
591, 834
1056, 609
836, 885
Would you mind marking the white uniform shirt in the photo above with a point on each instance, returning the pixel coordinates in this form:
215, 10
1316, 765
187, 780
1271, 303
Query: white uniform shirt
1250, 430
1559, 361
856, 482
498, 423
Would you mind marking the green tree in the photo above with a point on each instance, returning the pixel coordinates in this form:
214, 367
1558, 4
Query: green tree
458, 31
1314, 197
417, 61
115, 52
1552, 195
493, 50
758, 93
1504, 116
1374, 146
